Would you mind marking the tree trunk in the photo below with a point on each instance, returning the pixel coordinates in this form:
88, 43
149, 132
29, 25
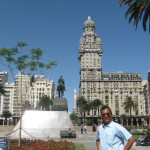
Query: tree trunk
92, 115
130, 111
84, 117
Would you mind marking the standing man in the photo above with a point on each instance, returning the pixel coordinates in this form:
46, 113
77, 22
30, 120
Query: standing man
82, 126
111, 135
85, 128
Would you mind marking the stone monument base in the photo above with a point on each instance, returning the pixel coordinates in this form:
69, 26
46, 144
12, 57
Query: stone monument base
43, 124
60, 104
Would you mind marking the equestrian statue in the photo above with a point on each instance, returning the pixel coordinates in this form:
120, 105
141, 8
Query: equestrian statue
61, 87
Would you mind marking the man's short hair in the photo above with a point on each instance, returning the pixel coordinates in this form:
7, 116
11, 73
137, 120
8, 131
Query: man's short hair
106, 107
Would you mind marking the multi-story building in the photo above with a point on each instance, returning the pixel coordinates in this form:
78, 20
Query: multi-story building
147, 97
25, 88
112, 88
76, 95
7, 99
41, 86
145, 92
3, 80
3, 77
22, 87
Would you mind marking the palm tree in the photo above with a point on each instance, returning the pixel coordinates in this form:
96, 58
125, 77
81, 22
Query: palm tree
137, 10
2, 90
92, 106
45, 102
97, 104
123, 118
86, 108
6, 114
81, 104
129, 104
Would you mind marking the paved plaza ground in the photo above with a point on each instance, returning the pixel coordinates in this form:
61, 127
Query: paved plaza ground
87, 139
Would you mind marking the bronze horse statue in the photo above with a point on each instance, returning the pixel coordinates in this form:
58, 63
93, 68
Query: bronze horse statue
61, 87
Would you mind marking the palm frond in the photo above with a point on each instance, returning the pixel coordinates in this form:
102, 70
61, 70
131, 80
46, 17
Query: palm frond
137, 10
146, 16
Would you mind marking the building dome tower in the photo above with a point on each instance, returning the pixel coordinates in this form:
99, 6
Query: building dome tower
90, 53
89, 23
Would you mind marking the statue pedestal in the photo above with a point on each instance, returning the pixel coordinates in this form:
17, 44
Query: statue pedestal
43, 124
59, 104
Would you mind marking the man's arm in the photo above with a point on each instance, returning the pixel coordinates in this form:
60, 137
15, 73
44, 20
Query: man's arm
129, 143
98, 144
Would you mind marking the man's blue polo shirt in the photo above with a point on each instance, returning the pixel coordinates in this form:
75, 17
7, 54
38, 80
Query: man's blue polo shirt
112, 136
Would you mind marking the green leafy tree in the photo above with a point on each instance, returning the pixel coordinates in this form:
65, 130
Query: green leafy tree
73, 117
20, 58
6, 114
2, 90
137, 10
24, 61
45, 102
128, 104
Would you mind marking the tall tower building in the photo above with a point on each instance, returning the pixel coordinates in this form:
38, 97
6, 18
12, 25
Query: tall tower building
90, 53
112, 88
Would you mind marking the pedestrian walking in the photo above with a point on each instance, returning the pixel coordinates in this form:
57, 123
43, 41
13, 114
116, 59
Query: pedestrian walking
85, 128
81, 127
94, 128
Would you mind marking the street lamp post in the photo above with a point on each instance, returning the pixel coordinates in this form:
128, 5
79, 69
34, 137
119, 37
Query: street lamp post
20, 127
3, 120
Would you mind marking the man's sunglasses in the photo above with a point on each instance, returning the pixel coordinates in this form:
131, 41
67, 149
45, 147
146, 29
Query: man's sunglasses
108, 114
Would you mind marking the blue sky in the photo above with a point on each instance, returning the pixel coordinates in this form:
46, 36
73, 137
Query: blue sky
56, 27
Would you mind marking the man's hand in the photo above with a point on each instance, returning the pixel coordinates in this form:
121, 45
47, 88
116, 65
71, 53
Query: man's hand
129, 143
98, 144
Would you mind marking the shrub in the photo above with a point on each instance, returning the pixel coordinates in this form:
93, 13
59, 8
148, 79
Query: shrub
27, 144
89, 122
